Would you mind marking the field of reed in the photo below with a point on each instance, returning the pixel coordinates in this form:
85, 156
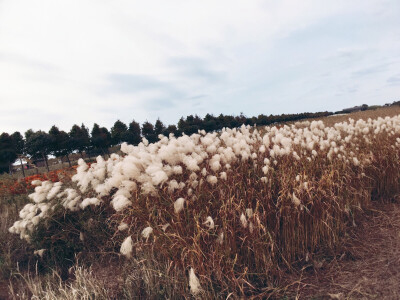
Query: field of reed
211, 215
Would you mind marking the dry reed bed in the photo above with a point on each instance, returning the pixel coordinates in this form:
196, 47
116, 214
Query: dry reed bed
234, 209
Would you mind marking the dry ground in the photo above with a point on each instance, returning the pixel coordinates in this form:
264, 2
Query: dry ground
368, 266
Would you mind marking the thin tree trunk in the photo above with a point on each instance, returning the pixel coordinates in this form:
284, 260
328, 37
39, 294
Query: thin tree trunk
45, 160
69, 162
81, 153
22, 166
104, 153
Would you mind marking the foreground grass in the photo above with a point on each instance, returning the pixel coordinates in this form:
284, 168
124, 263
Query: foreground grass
12, 249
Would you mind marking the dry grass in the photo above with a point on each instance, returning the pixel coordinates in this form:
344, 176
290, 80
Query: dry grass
83, 286
278, 237
366, 267
388, 111
12, 249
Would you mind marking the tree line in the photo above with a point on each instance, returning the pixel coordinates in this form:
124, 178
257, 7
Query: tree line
38, 145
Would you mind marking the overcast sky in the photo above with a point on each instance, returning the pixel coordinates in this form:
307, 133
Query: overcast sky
66, 62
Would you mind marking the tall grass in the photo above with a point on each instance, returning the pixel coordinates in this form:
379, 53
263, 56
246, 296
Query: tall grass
236, 209
12, 249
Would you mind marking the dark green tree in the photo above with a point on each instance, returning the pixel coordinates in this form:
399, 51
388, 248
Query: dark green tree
191, 125
119, 133
159, 127
209, 123
79, 139
171, 129
19, 145
100, 138
182, 125
133, 134
8, 153
60, 143
148, 132
37, 145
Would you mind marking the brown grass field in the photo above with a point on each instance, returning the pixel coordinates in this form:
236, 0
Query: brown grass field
357, 257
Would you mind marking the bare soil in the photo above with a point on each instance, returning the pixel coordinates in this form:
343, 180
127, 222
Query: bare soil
368, 266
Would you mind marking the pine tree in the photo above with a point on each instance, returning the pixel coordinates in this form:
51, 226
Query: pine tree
133, 134
148, 132
118, 133
8, 153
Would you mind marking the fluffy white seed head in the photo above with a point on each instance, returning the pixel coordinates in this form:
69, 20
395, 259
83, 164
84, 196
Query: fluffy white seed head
249, 212
295, 200
123, 226
179, 205
39, 252
194, 283
127, 247
211, 179
209, 222
220, 239
146, 232
243, 220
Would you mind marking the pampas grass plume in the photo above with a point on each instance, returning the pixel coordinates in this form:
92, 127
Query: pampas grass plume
243, 220
194, 283
146, 232
178, 205
209, 222
295, 200
126, 247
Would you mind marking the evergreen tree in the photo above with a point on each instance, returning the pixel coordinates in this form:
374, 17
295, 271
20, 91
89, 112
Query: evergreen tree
171, 129
118, 133
100, 138
8, 153
159, 127
209, 123
19, 146
181, 124
19, 142
79, 138
38, 145
148, 132
60, 143
133, 134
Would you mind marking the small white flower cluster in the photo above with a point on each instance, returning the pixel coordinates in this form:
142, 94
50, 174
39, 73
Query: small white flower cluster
32, 213
46, 197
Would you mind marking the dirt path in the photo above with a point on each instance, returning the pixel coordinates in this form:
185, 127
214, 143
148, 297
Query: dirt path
369, 267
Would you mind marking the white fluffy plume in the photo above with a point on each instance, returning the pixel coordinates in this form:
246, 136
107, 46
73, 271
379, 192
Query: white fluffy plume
146, 232
178, 205
209, 223
194, 283
126, 247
